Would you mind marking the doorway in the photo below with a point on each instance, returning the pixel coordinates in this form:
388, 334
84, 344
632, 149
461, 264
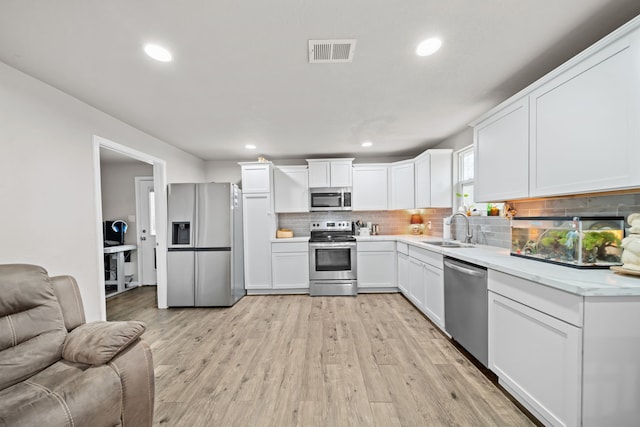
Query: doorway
146, 222
157, 182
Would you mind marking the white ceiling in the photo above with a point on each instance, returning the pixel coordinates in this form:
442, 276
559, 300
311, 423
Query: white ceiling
241, 72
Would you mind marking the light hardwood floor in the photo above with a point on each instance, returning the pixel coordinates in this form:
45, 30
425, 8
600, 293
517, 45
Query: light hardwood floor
294, 360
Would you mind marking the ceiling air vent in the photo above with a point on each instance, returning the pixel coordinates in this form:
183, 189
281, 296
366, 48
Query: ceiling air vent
331, 51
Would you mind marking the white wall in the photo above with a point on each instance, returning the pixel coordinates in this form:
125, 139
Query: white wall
47, 179
462, 139
223, 171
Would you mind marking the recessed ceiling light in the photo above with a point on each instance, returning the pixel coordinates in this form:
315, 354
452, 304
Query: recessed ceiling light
158, 53
250, 147
428, 46
367, 144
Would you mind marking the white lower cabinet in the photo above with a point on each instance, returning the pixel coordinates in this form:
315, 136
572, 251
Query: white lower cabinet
426, 283
376, 265
290, 265
537, 358
434, 294
417, 291
403, 268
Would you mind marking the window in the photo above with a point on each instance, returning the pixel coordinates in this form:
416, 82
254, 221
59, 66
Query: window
152, 213
464, 173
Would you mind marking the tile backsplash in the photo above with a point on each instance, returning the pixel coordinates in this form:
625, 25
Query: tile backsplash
390, 222
487, 230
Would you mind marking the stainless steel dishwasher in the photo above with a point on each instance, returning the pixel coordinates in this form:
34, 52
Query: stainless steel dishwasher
466, 306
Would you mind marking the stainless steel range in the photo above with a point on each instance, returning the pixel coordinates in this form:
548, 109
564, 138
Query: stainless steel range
332, 259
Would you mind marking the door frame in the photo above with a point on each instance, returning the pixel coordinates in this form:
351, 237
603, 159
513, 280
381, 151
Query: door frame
137, 180
159, 186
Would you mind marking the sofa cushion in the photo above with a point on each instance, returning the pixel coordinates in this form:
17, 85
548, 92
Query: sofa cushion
32, 329
97, 343
64, 394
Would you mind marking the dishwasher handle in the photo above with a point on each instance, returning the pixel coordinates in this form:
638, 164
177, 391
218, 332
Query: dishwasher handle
465, 270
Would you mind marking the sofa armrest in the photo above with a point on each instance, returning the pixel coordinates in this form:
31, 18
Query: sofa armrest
135, 368
96, 343
68, 294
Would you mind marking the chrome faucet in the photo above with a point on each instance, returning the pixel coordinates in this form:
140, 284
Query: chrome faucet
469, 236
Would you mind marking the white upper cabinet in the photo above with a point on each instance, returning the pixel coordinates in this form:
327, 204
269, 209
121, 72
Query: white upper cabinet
291, 188
576, 130
585, 132
402, 185
370, 184
502, 154
256, 177
330, 172
433, 179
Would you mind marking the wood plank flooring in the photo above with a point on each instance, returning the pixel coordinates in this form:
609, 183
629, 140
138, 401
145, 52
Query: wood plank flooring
294, 360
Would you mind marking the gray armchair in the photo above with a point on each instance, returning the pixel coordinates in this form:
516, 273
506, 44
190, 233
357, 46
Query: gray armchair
57, 370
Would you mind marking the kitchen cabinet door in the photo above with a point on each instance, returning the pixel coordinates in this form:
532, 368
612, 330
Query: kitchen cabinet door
402, 185
434, 294
370, 184
319, 173
433, 179
376, 269
585, 130
502, 154
290, 270
256, 177
538, 359
258, 229
330, 172
341, 173
403, 273
291, 188
417, 291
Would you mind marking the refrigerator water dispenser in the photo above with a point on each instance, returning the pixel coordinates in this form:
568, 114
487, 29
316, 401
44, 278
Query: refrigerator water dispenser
181, 233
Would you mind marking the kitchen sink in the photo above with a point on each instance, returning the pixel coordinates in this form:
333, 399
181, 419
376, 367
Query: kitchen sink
448, 244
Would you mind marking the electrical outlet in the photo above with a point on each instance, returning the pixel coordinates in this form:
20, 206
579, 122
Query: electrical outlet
429, 225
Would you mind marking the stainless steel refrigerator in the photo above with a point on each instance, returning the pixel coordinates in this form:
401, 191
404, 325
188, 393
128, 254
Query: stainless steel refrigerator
205, 259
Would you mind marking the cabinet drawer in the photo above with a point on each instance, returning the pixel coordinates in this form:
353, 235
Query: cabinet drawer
402, 248
376, 246
426, 256
289, 247
561, 305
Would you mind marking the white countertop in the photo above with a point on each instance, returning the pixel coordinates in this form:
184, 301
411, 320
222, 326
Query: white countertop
585, 282
290, 239
119, 248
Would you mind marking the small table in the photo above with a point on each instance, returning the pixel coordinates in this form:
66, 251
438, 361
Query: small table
119, 251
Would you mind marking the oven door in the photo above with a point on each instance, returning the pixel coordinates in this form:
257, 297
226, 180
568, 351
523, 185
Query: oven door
332, 261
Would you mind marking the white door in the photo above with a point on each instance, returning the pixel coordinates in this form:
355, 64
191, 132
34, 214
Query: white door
146, 227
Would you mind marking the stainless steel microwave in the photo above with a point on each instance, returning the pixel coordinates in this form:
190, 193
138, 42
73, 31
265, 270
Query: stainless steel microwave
330, 199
